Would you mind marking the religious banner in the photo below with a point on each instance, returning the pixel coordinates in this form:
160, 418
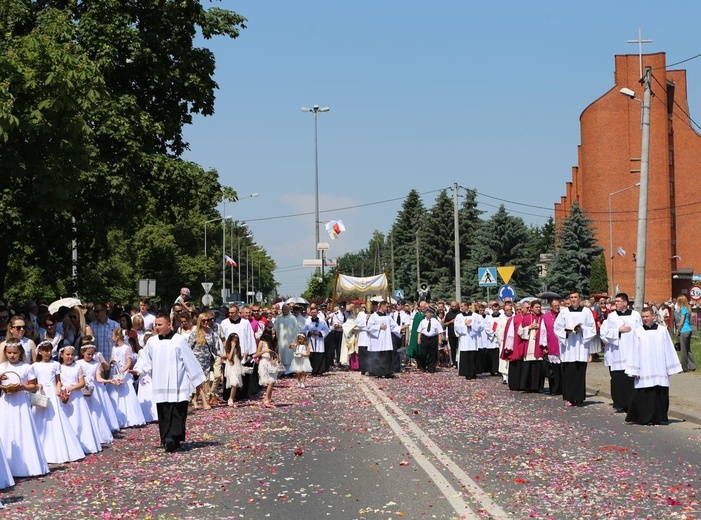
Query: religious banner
362, 286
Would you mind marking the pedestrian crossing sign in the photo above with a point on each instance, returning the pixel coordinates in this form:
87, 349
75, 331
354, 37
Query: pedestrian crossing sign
487, 276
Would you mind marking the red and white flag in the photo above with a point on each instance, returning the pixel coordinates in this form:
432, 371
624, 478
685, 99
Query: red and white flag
621, 251
230, 261
335, 228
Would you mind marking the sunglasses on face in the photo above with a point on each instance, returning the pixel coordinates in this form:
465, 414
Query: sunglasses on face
18, 327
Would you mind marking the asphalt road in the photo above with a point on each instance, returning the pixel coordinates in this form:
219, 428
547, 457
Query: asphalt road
417, 446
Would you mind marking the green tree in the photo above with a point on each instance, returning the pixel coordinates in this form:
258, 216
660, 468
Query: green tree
319, 287
502, 240
576, 251
406, 231
438, 251
93, 99
599, 281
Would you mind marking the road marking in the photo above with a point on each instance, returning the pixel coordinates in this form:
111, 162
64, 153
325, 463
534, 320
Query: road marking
465, 481
453, 495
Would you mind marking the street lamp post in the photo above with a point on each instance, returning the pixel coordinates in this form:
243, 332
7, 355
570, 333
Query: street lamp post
613, 253
205, 240
248, 234
315, 110
251, 277
641, 250
223, 252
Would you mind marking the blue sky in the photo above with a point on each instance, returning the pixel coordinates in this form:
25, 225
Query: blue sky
422, 94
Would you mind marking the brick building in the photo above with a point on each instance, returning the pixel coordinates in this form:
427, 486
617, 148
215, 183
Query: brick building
608, 171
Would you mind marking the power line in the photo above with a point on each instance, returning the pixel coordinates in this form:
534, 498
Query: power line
678, 63
340, 209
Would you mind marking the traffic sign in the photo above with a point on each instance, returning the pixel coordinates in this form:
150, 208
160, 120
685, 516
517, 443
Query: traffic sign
207, 286
207, 299
487, 276
507, 292
506, 272
695, 293
311, 262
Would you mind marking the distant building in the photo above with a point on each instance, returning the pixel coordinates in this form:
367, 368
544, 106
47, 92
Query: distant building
608, 168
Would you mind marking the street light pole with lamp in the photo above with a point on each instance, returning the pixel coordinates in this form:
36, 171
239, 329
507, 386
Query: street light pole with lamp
247, 278
205, 240
315, 110
223, 251
613, 253
640, 255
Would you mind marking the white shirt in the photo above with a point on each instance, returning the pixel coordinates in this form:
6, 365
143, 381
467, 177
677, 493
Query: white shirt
652, 358
468, 329
436, 327
247, 340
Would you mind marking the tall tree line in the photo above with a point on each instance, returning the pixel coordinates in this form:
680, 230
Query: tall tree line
420, 248
93, 100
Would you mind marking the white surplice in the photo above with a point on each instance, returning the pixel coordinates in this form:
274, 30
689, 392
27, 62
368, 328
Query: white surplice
617, 345
173, 366
573, 345
381, 339
652, 358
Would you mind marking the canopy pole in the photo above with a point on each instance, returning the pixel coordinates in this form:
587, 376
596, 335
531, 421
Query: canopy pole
333, 296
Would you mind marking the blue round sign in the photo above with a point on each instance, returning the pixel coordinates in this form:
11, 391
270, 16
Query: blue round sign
507, 292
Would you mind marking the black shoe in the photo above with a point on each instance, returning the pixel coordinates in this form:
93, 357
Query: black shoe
170, 444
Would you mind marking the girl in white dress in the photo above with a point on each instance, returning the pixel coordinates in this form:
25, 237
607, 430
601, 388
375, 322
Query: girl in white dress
94, 382
142, 370
301, 365
55, 432
267, 375
122, 392
18, 433
6, 479
233, 370
97, 363
71, 395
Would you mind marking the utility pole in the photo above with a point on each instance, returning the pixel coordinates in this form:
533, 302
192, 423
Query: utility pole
642, 204
418, 272
456, 221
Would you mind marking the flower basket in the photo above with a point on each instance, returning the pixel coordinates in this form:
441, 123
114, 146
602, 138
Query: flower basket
12, 384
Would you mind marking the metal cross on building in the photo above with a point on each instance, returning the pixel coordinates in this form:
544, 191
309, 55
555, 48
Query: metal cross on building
640, 42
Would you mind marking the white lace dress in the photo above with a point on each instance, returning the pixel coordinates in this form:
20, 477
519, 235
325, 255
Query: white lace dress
18, 433
124, 399
53, 427
78, 412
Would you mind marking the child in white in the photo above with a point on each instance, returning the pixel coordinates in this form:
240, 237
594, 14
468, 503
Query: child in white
122, 392
18, 434
55, 432
233, 370
74, 404
300, 361
96, 362
142, 370
96, 393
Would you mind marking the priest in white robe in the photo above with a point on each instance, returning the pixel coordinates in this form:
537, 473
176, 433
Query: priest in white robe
173, 367
617, 335
652, 360
575, 329
286, 327
468, 328
380, 328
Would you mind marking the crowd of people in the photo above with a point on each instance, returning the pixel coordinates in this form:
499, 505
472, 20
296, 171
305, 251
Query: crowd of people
73, 377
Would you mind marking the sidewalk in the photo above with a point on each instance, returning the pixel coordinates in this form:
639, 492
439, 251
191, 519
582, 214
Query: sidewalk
684, 391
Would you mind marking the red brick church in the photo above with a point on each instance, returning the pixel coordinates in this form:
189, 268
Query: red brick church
604, 181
